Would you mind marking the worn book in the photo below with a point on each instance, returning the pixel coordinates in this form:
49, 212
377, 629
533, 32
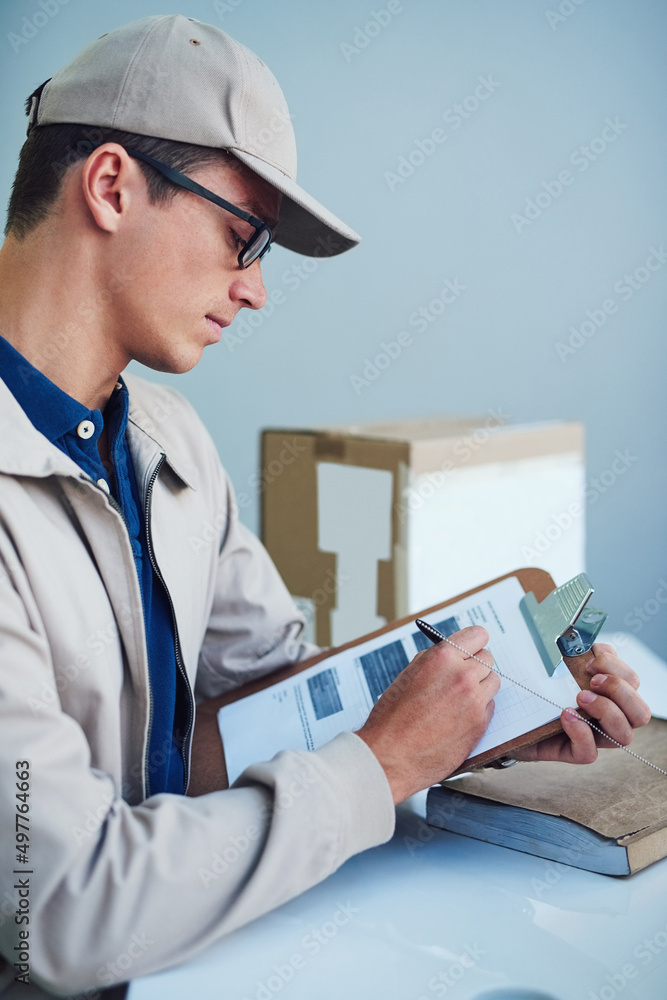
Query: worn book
608, 817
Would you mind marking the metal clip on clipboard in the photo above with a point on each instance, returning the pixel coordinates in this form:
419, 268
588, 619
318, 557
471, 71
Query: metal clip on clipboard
562, 625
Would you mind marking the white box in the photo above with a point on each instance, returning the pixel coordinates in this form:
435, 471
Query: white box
370, 523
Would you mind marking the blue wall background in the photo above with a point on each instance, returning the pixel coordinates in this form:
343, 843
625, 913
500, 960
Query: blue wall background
363, 99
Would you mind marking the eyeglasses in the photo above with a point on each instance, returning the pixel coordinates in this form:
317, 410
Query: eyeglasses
258, 244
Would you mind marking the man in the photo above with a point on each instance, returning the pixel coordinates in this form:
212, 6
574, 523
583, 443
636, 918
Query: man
158, 168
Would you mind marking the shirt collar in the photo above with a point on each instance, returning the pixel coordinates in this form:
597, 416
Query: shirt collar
148, 406
50, 410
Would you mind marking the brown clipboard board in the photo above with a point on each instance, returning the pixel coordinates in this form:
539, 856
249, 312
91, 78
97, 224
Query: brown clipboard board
209, 771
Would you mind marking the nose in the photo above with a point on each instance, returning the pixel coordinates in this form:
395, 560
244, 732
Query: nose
247, 288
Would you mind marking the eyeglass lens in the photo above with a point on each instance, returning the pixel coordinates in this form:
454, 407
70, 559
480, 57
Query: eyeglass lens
257, 247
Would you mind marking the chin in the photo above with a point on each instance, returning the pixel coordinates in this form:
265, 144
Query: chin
173, 364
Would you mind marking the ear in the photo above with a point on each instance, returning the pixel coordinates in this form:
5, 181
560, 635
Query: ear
111, 183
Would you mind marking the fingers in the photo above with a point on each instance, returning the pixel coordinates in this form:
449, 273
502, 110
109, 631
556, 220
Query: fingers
582, 747
613, 704
616, 721
617, 706
605, 661
490, 686
433, 715
623, 694
603, 647
485, 655
473, 639
609, 717
613, 698
466, 650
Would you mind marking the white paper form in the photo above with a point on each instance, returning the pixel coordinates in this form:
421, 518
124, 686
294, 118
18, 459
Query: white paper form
336, 695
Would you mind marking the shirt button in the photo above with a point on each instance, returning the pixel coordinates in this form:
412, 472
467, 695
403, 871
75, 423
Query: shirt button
86, 429
103, 485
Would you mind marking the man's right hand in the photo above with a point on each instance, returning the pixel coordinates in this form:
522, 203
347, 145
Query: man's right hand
433, 715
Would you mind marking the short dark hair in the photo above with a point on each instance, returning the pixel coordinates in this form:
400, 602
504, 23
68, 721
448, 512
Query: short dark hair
50, 150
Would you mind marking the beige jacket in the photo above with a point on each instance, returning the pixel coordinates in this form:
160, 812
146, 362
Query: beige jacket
120, 886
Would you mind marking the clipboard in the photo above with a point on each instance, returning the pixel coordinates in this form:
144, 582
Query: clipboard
210, 771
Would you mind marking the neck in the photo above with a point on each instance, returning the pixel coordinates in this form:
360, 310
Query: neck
55, 312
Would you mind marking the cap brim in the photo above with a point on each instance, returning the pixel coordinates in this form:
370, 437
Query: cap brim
305, 226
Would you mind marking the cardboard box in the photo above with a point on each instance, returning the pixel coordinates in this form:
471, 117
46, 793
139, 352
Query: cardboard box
367, 524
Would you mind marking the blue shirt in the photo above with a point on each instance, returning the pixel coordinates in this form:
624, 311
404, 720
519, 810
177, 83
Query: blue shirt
75, 429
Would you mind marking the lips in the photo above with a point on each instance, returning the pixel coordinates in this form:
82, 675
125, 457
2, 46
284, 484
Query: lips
215, 325
217, 320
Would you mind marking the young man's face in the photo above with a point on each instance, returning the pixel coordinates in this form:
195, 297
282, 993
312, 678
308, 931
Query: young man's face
181, 261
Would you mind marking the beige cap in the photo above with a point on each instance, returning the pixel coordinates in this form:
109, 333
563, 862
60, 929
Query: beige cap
173, 77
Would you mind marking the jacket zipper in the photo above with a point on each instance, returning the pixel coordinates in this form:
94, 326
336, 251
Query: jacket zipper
117, 507
177, 641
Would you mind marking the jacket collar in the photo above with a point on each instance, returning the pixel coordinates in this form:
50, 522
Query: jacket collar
153, 420
52, 411
24, 451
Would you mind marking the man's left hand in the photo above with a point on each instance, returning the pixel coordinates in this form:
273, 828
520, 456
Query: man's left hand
613, 705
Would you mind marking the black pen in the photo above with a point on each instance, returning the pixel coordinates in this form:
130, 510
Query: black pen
429, 631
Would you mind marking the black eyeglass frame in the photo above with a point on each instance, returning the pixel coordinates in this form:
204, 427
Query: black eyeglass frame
182, 180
